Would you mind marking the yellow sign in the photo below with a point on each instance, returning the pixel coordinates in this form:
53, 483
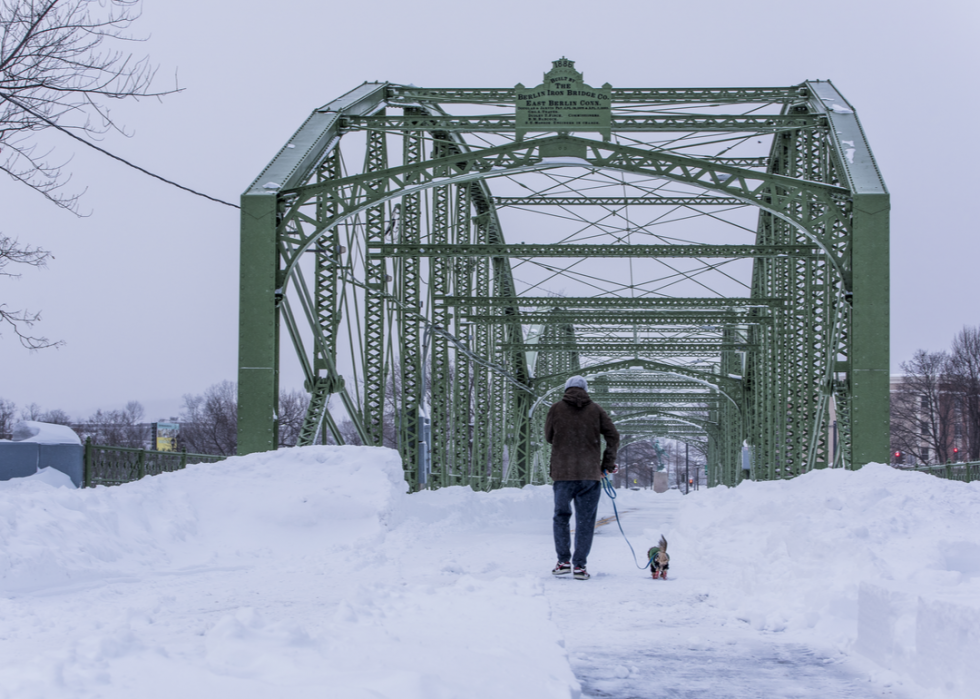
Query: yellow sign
166, 436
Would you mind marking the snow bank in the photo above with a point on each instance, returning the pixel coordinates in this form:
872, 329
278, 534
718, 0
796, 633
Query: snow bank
878, 560
47, 476
306, 572
44, 433
291, 573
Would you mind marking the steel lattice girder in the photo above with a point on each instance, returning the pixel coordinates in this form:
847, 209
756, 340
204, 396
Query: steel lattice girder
820, 284
621, 201
634, 397
644, 95
718, 304
646, 317
627, 123
521, 250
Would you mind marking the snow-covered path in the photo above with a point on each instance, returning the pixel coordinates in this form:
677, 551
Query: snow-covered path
630, 637
650, 639
308, 573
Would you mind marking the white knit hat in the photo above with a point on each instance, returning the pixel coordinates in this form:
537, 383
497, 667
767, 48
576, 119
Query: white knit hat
577, 382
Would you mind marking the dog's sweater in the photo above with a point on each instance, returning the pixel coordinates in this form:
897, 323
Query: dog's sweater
651, 556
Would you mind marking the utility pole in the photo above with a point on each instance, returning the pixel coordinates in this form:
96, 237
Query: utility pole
687, 471
627, 474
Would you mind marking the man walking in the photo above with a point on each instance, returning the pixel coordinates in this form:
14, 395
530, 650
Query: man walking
572, 428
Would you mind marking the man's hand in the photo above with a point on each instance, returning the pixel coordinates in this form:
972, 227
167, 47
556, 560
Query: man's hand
613, 470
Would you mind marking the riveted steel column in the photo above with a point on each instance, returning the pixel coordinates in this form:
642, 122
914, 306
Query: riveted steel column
482, 417
499, 389
869, 330
328, 255
258, 325
410, 341
440, 382
375, 274
462, 432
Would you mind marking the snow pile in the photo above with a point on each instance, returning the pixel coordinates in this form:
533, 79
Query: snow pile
44, 433
48, 475
311, 572
886, 562
291, 573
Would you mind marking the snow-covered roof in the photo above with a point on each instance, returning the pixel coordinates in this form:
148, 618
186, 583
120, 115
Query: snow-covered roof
44, 433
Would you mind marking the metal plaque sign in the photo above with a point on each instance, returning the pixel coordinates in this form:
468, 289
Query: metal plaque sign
563, 103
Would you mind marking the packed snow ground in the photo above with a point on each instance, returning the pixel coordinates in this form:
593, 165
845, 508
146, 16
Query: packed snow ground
310, 573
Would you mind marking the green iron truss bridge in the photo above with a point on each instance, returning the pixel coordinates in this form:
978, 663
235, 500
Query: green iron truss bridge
713, 260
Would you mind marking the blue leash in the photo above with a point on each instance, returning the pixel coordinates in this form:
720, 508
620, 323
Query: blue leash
608, 488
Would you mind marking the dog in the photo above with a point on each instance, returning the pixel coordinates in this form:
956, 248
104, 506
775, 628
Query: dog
659, 560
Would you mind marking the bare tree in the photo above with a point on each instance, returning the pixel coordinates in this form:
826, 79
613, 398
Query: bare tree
12, 253
209, 423
57, 417
31, 412
965, 370
349, 432
114, 428
638, 461
61, 63
292, 411
8, 416
924, 408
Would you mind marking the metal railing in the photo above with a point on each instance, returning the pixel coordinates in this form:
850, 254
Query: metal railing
117, 465
966, 471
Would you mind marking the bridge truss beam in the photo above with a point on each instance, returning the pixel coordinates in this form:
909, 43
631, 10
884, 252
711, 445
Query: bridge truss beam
435, 335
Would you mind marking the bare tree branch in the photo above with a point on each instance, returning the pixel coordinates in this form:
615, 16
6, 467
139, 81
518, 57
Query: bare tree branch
21, 320
61, 63
965, 368
925, 406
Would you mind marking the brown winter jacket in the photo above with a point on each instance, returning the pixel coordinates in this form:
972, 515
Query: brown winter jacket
572, 428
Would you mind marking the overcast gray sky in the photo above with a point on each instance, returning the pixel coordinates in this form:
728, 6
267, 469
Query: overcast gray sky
144, 291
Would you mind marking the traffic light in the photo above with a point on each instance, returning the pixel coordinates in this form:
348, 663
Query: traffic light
898, 457
956, 453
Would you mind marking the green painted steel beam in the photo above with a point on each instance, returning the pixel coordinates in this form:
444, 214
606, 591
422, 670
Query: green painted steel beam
645, 367
660, 385
809, 206
628, 347
767, 190
299, 156
626, 317
623, 250
631, 398
628, 123
659, 428
258, 325
664, 417
869, 250
654, 331
816, 328
645, 95
686, 303
618, 201
620, 341
620, 406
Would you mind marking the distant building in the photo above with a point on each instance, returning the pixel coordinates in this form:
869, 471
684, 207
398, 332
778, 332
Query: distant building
922, 451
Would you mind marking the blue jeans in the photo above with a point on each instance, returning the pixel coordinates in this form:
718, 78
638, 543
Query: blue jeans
586, 496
